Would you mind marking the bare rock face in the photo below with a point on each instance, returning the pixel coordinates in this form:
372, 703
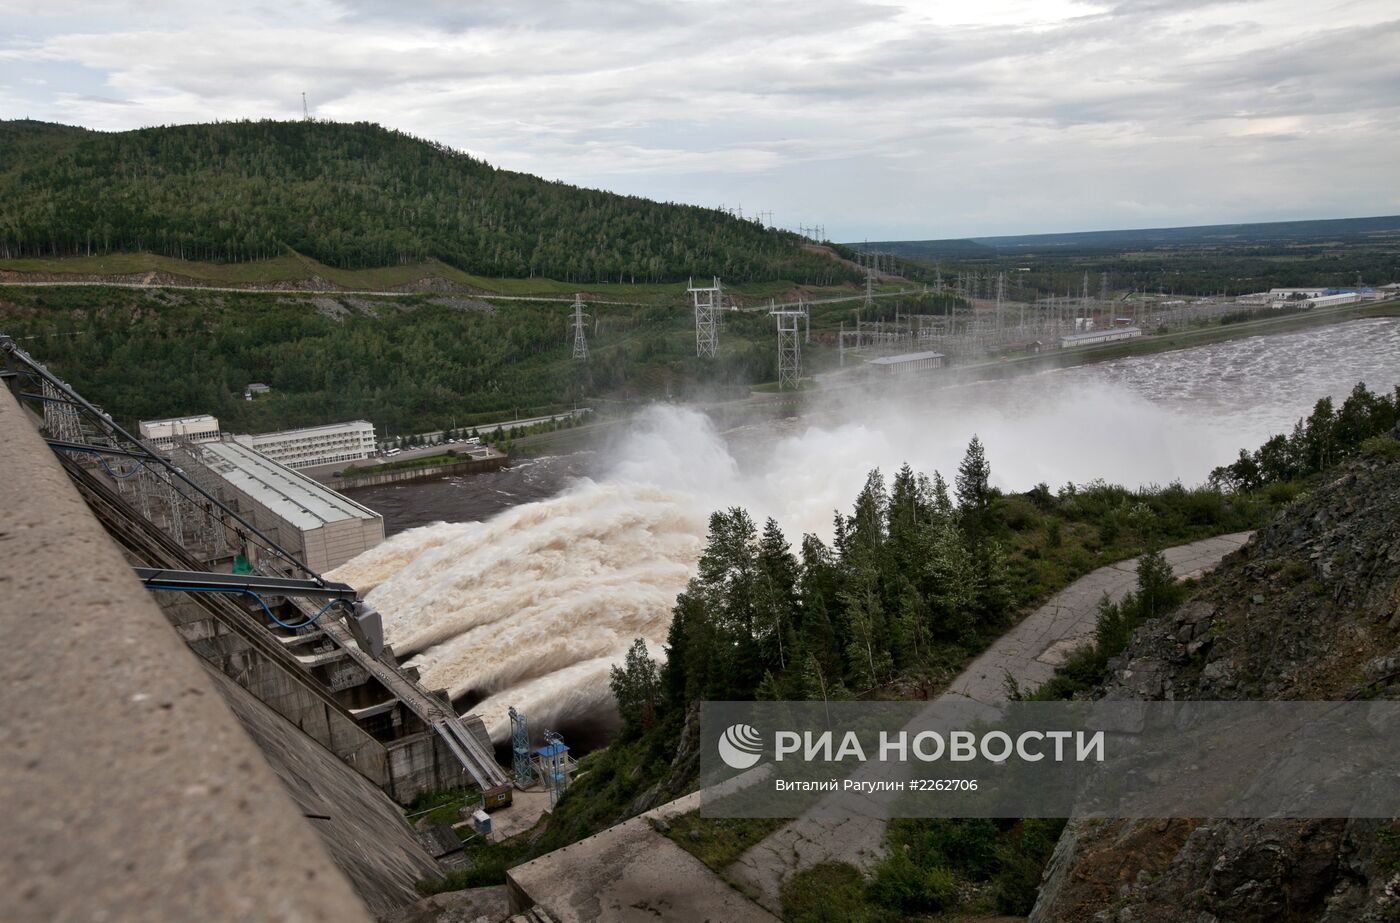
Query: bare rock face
1310, 609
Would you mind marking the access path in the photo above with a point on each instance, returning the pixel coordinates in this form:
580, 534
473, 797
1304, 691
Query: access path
1027, 654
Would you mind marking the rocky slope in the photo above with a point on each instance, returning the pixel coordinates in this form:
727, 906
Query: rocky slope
1310, 609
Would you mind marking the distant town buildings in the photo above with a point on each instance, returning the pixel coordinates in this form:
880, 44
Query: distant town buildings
316, 445
164, 433
321, 527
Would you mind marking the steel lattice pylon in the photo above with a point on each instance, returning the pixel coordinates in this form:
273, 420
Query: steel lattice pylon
708, 303
580, 338
789, 344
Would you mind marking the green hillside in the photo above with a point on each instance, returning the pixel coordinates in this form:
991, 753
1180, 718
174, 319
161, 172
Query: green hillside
356, 196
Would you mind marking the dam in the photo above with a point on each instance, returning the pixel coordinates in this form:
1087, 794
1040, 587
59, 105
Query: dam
351, 734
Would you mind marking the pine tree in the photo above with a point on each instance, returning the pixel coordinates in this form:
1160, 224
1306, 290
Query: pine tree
636, 687
973, 483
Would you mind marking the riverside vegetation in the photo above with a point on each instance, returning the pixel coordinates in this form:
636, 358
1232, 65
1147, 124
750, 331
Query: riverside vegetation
919, 577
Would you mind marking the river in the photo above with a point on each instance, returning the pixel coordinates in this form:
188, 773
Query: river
524, 586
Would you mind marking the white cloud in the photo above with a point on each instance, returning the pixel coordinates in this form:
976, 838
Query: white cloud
879, 120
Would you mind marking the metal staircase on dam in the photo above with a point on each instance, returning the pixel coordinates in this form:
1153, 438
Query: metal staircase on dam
344, 658
147, 543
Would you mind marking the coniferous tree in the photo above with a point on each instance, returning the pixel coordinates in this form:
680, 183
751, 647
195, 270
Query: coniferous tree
636, 687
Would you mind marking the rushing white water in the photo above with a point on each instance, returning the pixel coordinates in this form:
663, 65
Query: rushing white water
532, 607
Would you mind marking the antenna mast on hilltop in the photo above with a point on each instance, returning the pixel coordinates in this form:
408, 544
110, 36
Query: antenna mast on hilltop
305, 112
708, 301
580, 339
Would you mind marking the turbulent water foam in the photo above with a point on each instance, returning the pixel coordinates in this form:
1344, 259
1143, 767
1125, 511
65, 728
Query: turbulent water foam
533, 606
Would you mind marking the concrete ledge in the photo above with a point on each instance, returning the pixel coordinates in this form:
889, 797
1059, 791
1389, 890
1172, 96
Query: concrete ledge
130, 790
630, 873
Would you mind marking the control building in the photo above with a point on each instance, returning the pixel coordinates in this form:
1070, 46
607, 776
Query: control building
316, 445
163, 433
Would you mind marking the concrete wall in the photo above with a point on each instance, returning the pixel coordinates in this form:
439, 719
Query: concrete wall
335, 543
366, 832
130, 790
470, 466
275, 681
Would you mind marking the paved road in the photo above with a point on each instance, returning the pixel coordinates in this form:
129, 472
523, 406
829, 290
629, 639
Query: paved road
252, 289
1028, 653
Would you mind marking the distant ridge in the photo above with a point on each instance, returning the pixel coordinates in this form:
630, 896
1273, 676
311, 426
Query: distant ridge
1315, 231
358, 196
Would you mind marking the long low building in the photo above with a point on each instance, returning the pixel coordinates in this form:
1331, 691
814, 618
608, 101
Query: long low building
905, 363
1109, 335
324, 528
1329, 301
316, 445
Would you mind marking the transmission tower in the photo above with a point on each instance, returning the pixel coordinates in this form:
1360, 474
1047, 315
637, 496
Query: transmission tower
789, 343
708, 302
305, 112
869, 261
580, 339
1001, 295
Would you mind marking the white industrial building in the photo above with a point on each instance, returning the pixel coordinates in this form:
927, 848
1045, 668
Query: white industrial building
1329, 301
164, 433
905, 363
1107, 335
316, 445
322, 527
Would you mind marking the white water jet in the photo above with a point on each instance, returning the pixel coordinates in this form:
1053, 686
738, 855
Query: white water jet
532, 607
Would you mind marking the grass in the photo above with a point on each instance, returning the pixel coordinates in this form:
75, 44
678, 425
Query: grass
832, 892
294, 267
440, 807
487, 865
719, 841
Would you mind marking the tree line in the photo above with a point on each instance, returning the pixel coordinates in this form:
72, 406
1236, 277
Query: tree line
1328, 435
357, 196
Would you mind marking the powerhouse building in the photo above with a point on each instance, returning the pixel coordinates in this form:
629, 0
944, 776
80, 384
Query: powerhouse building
323, 528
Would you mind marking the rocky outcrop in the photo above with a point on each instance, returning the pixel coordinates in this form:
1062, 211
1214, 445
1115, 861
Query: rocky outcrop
1310, 609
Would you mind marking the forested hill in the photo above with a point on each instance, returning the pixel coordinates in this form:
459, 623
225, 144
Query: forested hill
356, 196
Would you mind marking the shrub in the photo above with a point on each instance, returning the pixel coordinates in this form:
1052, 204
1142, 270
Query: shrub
1380, 447
899, 884
833, 892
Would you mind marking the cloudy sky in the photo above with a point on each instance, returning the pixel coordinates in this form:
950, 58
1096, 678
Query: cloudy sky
878, 120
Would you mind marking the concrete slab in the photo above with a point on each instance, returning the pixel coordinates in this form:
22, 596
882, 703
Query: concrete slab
526, 807
475, 905
631, 873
